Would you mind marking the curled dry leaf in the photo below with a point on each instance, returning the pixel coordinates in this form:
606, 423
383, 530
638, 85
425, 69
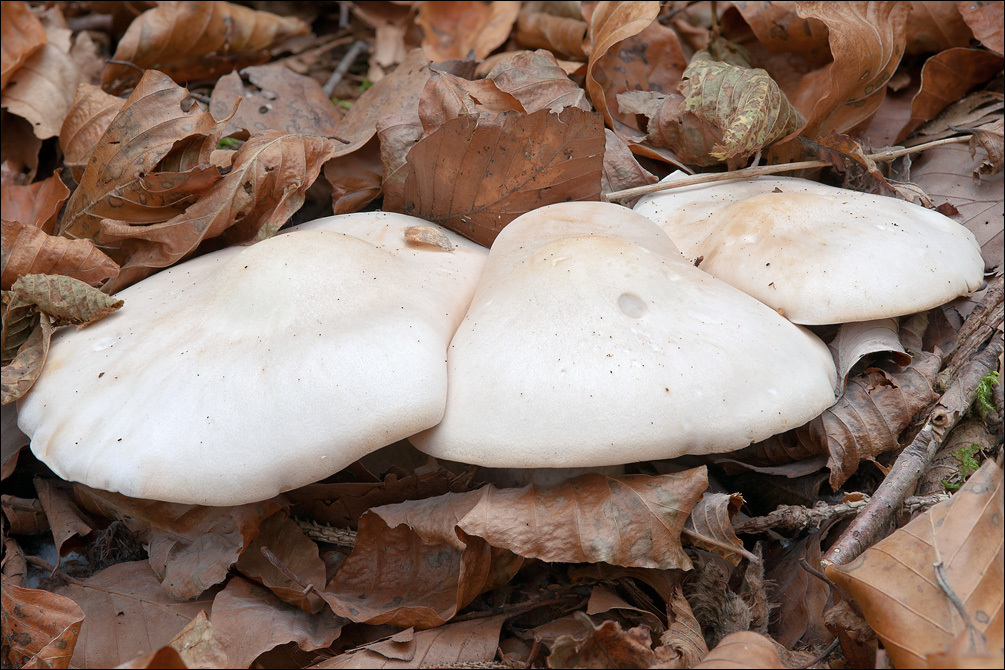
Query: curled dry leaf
193, 647
21, 35
265, 187
744, 649
682, 644
28, 250
990, 137
65, 519
857, 339
453, 30
273, 98
536, 80
67, 300
42, 90
985, 20
712, 517
621, 169
249, 620
86, 121
895, 581
510, 167
34, 205
560, 35
800, 597
191, 547
19, 375
605, 646
40, 628
935, 26
127, 614
197, 40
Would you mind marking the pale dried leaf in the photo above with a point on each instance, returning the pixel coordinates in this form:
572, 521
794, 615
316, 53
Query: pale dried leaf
561, 35
854, 341
28, 250
992, 139
536, 80
19, 320
21, 35
712, 517
280, 536
36, 204
455, 29
65, 519
197, 40
67, 300
86, 121
744, 649
605, 646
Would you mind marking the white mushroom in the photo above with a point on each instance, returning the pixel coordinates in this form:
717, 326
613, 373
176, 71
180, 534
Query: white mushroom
591, 341
246, 372
820, 254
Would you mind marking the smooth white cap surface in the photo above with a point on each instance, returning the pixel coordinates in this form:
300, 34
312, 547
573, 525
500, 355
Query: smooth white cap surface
818, 253
253, 370
592, 341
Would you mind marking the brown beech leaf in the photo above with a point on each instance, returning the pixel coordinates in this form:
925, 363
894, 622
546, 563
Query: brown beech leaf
561, 35
779, 29
66, 522
273, 97
34, 205
712, 517
86, 121
536, 80
458, 644
745, 649
67, 300
990, 138
985, 20
127, 615
631, 52
454, 29
864, 37
249, 620
896, 585
509, 168
19, 320
42, 89
193, 647
282, 537
191, 547
19, 375
856, 340
266, 186
145, 131
605, 646
28, 250
945, 78
447, 96
621, 169
197, 40
682, 644
40, 628
935, 26
801, 597
21, 35
865, 422
18, 151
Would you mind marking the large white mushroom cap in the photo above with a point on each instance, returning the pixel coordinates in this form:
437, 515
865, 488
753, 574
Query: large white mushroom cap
253, 370
592, 341
820, 254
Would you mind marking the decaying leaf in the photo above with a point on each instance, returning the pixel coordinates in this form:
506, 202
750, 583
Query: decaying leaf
561, 35
22, 35
992, 139
856, 340
508, 168
605, 646
985, 20
29, 251
453, 30
190, 40
66, 521
85, 122
896, 585
34, 205
20, 374
67, 300
800, 597
40, 628
712, 517
193, 647
19, 320
745, 649
681, 645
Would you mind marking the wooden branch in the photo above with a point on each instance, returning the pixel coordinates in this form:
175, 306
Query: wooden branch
796, 518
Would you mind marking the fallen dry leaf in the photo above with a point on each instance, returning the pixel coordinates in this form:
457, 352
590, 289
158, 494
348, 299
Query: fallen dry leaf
21, 35
197, 40
26, 365
936, 26
40, 628
990, 137
895, 582
712, 517
985, 20
536, 80
455, 29
18, 151
509, 168
745, 649
67, 300
682, 644
560, 35
800, 597
191, 547
856, 340
66, 521
34, 205
28, 250
86, 121
249, 620
605, 646
193, 647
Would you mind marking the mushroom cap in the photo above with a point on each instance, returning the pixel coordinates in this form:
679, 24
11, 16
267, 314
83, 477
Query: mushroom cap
591, 341
252, 370
820, 254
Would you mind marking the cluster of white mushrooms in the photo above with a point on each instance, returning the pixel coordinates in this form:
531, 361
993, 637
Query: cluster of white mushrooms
585, 338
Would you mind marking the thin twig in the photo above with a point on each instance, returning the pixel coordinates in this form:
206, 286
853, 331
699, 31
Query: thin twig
342, 537
762, 170
796, 519
358, 47
699, 539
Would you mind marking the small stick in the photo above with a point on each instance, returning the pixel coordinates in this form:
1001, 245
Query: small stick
357, 48
759, 171
795, 518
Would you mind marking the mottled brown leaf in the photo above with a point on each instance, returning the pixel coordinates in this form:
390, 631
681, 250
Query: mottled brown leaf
536, 80
29, 251
40, 628
447, 96
561, 35
67, 300
86, 121
19, 319
986, 22
127, 615
682, 644
191, 547
454, 29
895, 583
605, 646
273, 98
297, 553
24, 369
509, 168
197, 40
712, 517
21, 35
249, 620
621, 169
36, 204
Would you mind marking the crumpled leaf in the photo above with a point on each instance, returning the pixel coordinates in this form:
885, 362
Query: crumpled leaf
985, 20
249, 620
858, 339
458, 644
801, 597
40, 628
42, 90
865, 422
265, 187
67, 300
127, 614
197, 40
712, 517
191, 547
454, 29
273, 98
509, 168
86, 121
29, 251
895, 584
992, 138
935, 26
682, 644
606, 646
21, 35
536, 80
36, 204
65, 519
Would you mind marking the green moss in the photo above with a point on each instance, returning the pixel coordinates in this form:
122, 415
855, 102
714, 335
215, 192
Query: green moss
983, 402
968, 466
